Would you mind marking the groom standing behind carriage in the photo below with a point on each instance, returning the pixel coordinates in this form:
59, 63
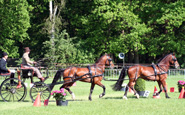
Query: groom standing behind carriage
3, 64
26, 62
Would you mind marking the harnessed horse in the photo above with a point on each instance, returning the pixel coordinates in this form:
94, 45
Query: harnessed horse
156, 72
91, 74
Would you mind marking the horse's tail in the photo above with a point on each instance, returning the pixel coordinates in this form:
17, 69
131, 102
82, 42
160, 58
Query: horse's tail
117, 86
56, 78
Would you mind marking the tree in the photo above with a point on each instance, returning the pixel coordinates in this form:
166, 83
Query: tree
106, 26
165, 18
38, 16
65, 51
14, 19
61, 46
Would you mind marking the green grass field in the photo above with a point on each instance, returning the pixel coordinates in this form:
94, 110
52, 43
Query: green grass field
111, 104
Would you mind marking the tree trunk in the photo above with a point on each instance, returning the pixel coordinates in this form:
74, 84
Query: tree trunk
136, 57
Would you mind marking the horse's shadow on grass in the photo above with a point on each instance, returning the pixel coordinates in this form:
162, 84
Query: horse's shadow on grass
49, 100
132, 97
69, 100
1, 101
112, 98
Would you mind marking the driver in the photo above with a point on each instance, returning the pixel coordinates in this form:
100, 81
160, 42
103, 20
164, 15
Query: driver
26, 62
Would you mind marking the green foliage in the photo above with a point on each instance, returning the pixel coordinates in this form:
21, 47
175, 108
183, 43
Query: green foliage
38, 14
140, 85
140, 27
109, 26
65, 51
137, 28
14, 25
164, 17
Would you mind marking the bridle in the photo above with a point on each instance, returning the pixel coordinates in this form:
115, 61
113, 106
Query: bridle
174, 59
109, 60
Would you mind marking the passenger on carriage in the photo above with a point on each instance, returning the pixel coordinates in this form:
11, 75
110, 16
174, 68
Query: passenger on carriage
27, 63
3, 63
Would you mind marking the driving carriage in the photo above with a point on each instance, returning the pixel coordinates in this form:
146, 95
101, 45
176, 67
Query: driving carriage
14, 89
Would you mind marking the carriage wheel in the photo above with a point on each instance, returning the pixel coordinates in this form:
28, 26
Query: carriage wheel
10, 92
42, 88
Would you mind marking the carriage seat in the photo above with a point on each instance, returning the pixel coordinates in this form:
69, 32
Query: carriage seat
5, 74
27, 72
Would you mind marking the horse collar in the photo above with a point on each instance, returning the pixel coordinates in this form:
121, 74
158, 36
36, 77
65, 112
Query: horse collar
90, 72
155, 71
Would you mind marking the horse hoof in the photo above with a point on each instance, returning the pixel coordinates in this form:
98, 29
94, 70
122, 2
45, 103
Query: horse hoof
137, 96
73, 96
124, 97
168, 97
90, 99
100, 96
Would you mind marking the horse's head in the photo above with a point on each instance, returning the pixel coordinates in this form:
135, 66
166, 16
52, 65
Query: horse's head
173, 60
105, 60
170, 60
109, 61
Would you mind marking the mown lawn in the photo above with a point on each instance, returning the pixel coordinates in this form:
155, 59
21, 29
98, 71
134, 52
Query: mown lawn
111, 104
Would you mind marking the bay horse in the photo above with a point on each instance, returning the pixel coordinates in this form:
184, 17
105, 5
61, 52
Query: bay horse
157, 72
91, 74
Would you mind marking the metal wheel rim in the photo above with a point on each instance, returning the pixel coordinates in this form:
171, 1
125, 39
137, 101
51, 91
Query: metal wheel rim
41, 88
9, 91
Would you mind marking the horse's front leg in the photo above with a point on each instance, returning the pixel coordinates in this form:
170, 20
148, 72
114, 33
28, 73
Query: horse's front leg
101, 95
160, 86
101, 85
91, 91
165, 87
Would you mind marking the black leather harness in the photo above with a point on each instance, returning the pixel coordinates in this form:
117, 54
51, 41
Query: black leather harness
73, 79
155, 71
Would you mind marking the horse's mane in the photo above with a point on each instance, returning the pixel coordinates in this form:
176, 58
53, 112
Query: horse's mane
159, 60
100, 58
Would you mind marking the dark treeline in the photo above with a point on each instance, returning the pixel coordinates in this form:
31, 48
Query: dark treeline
80, 31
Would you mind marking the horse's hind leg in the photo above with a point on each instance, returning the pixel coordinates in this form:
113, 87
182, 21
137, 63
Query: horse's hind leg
125, 95
131, 85
135, 92
67, 87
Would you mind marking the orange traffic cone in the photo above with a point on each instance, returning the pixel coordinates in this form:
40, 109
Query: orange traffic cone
154, 94
182, 93
37, 102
